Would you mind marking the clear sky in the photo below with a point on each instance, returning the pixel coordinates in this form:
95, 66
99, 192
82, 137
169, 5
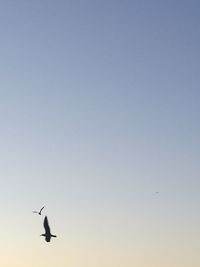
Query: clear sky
99, 109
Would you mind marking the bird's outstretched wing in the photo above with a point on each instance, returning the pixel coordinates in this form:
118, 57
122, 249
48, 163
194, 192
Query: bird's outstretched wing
46, 226
42, 209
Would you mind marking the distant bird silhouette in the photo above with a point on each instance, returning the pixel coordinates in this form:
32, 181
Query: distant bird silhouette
157, 192
47, 234
39, 212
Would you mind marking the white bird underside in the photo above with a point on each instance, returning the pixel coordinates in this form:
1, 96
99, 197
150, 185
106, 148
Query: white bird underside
39, 212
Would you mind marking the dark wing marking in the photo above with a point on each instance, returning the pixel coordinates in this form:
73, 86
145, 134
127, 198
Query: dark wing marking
42, 209
46, 226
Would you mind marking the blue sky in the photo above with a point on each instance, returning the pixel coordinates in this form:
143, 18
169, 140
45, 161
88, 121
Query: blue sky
99, 106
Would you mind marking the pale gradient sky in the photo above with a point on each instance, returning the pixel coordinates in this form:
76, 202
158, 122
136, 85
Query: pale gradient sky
99, 108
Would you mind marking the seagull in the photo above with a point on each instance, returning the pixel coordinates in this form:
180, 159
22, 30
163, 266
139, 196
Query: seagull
39, 212
47, 234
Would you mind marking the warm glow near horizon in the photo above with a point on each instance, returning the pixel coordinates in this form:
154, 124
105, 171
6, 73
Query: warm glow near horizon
99, 110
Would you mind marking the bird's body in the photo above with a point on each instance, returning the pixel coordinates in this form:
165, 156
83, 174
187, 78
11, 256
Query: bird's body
39, 212
47, 234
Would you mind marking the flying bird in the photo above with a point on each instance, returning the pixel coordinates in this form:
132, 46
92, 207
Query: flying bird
39, 212
47, 234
